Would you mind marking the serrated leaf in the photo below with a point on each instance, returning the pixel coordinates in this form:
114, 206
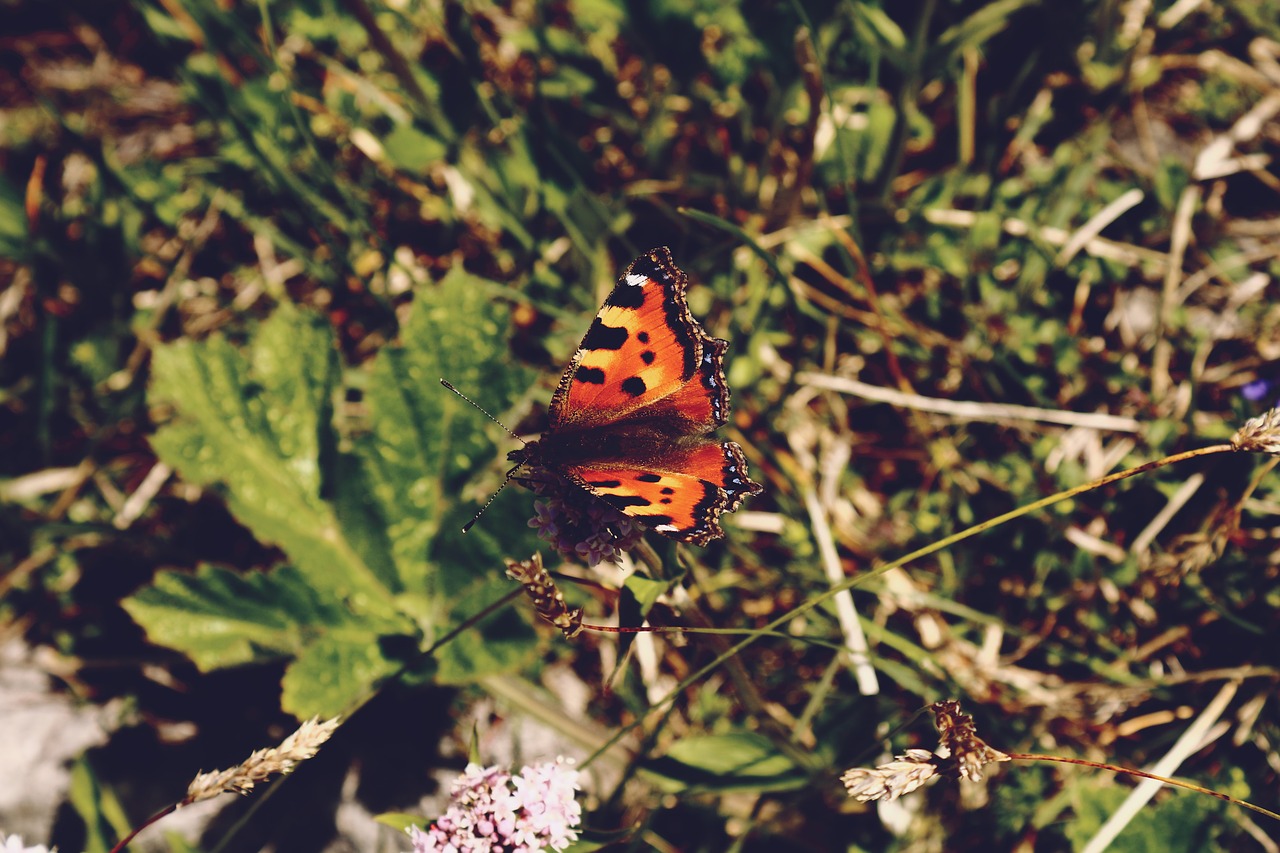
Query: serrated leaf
258, 425
334, 674
423, 436
221, 618
741, 760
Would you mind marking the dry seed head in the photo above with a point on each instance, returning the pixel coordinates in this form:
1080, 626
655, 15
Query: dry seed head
1260, 434
299, 746
889, 781
958, 738
960, 753
547, 599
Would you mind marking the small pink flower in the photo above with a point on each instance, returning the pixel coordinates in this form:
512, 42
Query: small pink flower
491, 811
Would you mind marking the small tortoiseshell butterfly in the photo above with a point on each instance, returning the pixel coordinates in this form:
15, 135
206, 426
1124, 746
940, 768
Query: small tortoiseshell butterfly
630, 417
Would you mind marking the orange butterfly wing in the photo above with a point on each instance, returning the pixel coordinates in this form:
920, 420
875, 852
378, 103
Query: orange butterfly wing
643, 350
680, 495
629, 416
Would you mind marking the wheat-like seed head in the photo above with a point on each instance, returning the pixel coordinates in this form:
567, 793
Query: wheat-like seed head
889, 781
299, 746
1260, 434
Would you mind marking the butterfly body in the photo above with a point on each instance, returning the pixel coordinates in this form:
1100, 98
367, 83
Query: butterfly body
628, 422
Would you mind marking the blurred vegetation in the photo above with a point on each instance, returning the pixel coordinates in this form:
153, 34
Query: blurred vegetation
240, 243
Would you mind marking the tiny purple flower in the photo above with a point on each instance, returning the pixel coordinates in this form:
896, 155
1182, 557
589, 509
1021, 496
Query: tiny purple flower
578, 524
1255, 390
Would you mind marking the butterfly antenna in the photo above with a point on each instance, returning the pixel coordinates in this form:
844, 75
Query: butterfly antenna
492, 497
510, 474
482, 411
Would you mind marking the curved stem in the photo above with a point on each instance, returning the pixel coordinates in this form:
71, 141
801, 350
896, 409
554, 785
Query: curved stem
165, 812
1026, 756
849, 583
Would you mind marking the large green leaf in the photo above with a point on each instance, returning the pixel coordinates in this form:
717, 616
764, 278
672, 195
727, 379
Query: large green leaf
222, 618
360, 527
738, 761
333, 673
258, 426
425, 441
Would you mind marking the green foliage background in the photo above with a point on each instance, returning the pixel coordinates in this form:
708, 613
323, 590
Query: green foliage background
243, 242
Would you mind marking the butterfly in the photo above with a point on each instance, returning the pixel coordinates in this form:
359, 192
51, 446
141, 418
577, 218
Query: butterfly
629, 420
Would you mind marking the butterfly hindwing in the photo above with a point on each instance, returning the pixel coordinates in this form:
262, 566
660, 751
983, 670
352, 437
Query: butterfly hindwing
680, 495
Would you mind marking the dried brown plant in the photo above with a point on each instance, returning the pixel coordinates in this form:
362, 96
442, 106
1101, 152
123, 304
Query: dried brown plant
547, 599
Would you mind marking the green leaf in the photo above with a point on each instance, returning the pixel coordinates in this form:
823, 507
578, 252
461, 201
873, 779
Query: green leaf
500, 644
976, 29
15, 242
258, 426
221, 618
104, 818
410, 149
875, 27
401, 821
425, 441
1182, 823
645, 592
334, 674
741, 760
592, 840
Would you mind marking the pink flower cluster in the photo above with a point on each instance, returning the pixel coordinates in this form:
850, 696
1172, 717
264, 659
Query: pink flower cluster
491, 811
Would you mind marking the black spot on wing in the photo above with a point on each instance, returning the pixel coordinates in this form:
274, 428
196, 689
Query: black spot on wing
667, 490
604, 484
634, 386
624, 501
589, 375
626, 295
600, 336
643, 337
650, 478
647, 356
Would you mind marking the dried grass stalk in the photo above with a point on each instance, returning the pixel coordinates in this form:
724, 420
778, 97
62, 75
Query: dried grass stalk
297, 747
547, 599
1260, 434
889, 781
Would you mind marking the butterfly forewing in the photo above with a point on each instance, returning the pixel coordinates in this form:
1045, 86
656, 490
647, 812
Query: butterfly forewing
641, 348
627, 418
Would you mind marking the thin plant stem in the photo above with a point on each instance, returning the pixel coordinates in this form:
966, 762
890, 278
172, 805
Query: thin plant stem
940, 544
1190, 786
165, 812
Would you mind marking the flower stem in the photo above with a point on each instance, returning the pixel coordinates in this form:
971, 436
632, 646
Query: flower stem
1025, 756
856, 580
165, 812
